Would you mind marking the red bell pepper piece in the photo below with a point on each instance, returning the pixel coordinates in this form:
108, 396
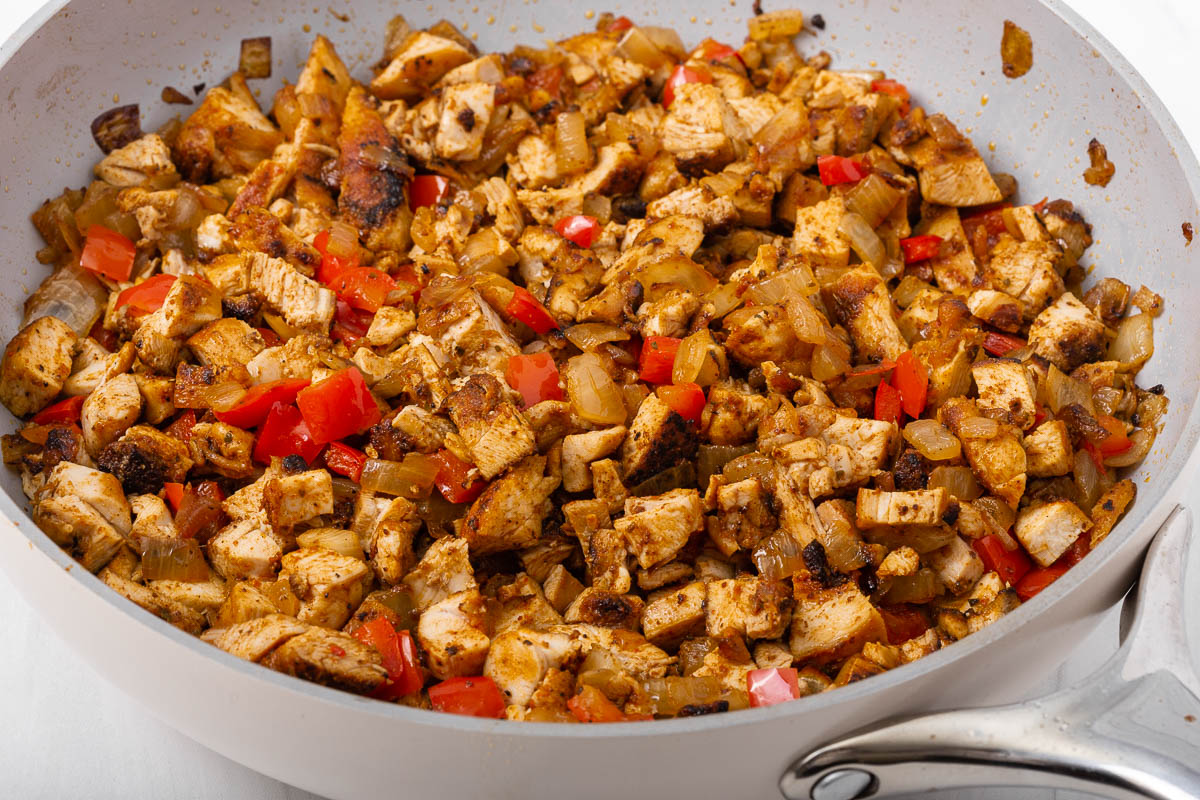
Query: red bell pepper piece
364, 288
407, 279
256, 403
590, 704
63, 411
339, 406
920, 248
285, 433
912, 379
578, 228
1117, 441
331, 266
897, 90
475, 697
270, 337
148, 295
345, 460
839, 169
1038, 579
548, 79
535, 376
712, 50
1078, 549
903, 622
767, 687
1001, 344
657, 358
1011, 565
107, 339
399, 654
199, 515
889, 406
620, 24
989, 217
679, 76
181, 426
685, 399
524, 308
107, 253
174, 493
453, 478
349, 324
427, 190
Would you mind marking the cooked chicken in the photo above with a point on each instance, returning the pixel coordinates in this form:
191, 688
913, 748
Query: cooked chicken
143, 161
301, 301
1047, 530
1067, 334
85, 511
491, 426
330, 585
861, 302
581, 449
36, 363
328, 657
1005, 388
1048, 451
247, 548
443, 570
421, 62
830, 624
751, 607
655, 528
509, 513
454, 634
110, 411
658, 438
226, 342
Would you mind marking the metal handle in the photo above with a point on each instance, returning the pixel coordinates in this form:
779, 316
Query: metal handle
1131, 731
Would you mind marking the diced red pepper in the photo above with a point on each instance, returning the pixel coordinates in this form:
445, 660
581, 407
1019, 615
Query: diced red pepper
399, 654
1001, 344
990, 218
199, 515
1096, 456
406, 276
1117, 441
181, 426
331, 266
1040, 205
364, 288
657, 358
107, 339
767, 687
685, 399
903, 622
474, 697
345, 460
148, 295
889, 406
712, 50
1040, 414
912, 379
339, 406
1011, 565
1038, 579
349, 324
63, 411
895, 89
285, 433
107, 253
920, 248
620, 24
256, 403
1075, 553
453, 478
589, 704
548, 79
535, 376
679, 76
839, 169
524, 308
578, 228
174, 493
427, 190
270, 337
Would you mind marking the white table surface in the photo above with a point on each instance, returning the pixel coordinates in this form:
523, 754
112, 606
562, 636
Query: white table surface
66, 733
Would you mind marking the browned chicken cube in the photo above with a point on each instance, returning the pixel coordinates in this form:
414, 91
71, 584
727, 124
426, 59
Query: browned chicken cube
656, 528
36, 363
492, 427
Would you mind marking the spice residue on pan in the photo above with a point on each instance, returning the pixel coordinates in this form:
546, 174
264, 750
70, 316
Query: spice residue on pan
1016, 50
255, 59
172, 95
1187, 232
1101, 170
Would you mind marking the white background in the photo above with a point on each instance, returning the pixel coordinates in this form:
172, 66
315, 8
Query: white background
65, 733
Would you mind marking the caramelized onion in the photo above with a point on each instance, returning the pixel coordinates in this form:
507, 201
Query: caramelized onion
807, 322
1061, 390
71, 294
979, 428
671, 694
1134, 343
778, 556
593, 394
872, 198
335, 539
919, 588
411, 478
932, 439
570, 142
779, 288
587, 336
958, 481
865, 243
172, 560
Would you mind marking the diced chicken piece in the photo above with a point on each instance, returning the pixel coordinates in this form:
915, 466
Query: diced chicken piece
920, 507
732, 414
487, 69
996, 309
522, 604
1108, 299
1048, 451
143, 161
745, 515
701, 130
658, 439
830, 624
298, 357
899, 562
561, 588
454, 634
861, 302
466, 111
177, 614
390, 544
656, 528
110, 411
255, 638
423, 431
37, 361
204, 597
534, 164
1067, 334
668, 315
85, 511
760, 334
1006, 388
757, 110
151, 518
473, 335
1109, 508
605, 551
226, 342
290, 500
301, 301
245, 549
243, 603
226, 135
549, 204
957, 564
330, 585
606, 608
331, 658
768, 655
675, 615
519, 660
581, 449
999, 463
732, 674
949, 168
503, 206
1046, 531
509, 513
818, 236
389, 325
496, 433
1066, 225
158, 393
445, 569
421, 62
1026, 271
222, 448
632, 652
698, 201
617, 171
857, 448
751, 607
144, 458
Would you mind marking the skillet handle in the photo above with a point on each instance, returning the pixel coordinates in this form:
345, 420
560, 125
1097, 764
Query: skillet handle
1132, 730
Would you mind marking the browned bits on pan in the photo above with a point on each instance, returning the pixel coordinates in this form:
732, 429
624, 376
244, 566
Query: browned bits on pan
1016, 50
172, 95
117, 127
340, 17
1101, 170
255, 60
1187, 232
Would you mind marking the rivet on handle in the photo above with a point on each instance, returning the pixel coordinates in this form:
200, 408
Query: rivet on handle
844, 784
